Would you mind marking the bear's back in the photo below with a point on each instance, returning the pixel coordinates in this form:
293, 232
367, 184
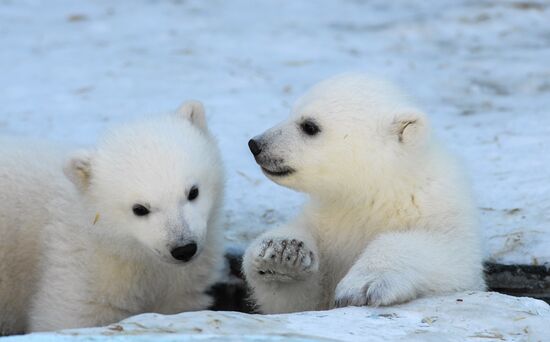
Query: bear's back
31, 174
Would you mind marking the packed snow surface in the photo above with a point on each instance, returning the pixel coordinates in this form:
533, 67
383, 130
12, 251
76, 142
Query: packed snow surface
458, 317
69, 69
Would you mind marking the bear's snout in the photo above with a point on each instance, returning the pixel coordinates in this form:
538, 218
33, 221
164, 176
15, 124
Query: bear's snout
255, 147
184, 253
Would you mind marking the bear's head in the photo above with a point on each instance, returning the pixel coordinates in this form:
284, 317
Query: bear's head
348, 133
157, 182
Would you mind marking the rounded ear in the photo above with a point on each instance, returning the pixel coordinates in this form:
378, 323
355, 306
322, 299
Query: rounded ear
79, 169
193, 111
410, 128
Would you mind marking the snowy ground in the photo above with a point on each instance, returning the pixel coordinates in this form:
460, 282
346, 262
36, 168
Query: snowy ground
459, 317
481, 69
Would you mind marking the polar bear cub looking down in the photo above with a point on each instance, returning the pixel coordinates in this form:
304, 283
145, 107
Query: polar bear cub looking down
136, 230
389, 217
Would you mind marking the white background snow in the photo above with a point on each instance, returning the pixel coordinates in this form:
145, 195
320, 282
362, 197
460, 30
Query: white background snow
481, 69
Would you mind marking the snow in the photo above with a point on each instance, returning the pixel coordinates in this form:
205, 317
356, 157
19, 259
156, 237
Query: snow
470, 316
480, 68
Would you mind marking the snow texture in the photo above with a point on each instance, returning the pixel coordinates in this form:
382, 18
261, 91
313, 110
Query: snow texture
69, 69
458, 317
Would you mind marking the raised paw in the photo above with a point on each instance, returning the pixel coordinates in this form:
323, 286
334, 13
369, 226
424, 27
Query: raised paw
283, 260
374, 289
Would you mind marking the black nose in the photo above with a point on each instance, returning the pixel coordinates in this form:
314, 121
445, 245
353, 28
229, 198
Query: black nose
254, 147
184, 253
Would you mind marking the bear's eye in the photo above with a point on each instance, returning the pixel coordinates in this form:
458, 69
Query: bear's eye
309, 127
140, 210
193, 193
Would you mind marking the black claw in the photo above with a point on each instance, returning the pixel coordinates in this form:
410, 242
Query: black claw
261, 272
284, 243
344, 302
312, 257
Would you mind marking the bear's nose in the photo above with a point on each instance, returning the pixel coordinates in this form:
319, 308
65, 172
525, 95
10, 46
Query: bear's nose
184, 253
254, 147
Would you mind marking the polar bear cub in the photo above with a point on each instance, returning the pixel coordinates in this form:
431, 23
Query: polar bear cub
134, 230
389, 219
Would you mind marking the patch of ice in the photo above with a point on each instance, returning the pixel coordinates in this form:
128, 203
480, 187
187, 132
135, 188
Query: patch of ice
471, 316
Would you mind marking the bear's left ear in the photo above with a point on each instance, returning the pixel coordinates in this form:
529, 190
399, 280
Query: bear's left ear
79, 169
193, 111
410, 128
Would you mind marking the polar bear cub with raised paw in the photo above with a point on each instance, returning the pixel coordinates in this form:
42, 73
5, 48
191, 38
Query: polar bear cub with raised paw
134, 230
389, 219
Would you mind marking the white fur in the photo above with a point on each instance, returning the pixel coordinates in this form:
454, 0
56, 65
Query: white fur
75, 255
390, 216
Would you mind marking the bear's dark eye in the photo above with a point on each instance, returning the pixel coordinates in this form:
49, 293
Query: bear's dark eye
309, 127
193, 193
140, 210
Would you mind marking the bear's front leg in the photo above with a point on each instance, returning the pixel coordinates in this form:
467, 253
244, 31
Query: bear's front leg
400, 266
282, 270
65, 308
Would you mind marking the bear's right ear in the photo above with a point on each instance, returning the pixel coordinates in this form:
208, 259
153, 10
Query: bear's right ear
193, 111
411, 128
79, 169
